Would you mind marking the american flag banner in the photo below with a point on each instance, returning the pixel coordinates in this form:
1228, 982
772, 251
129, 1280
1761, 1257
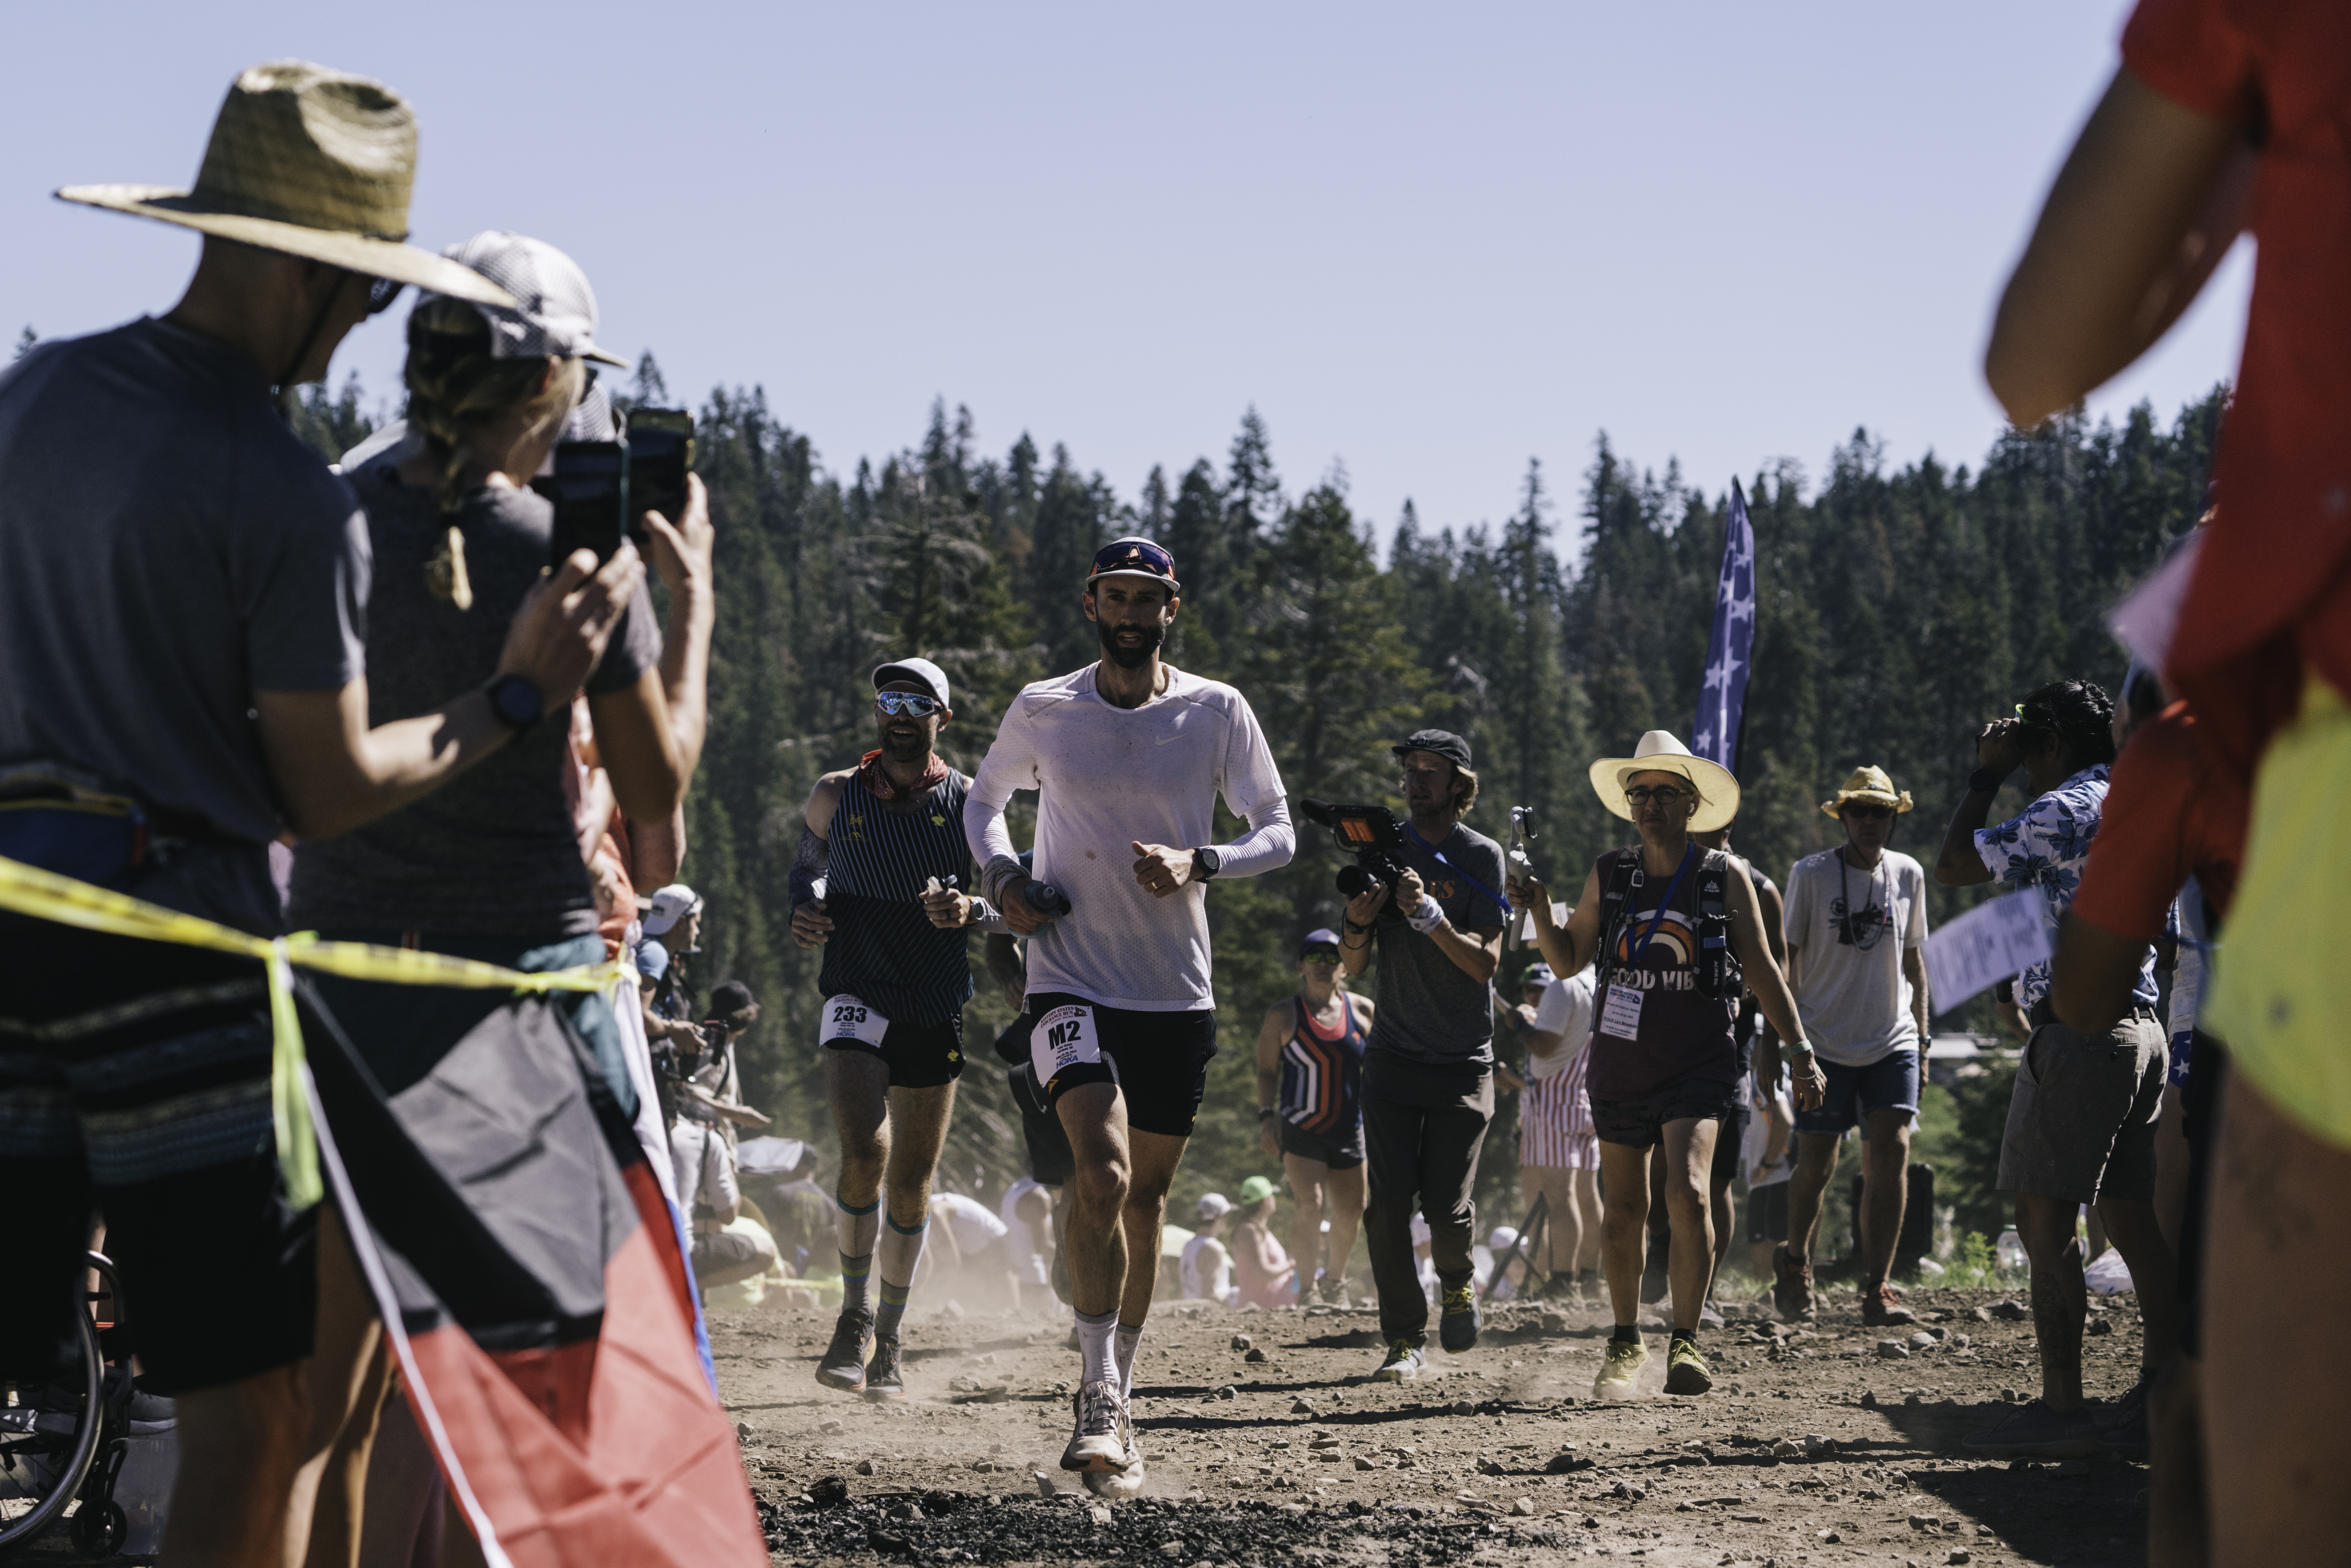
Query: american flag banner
1729, 650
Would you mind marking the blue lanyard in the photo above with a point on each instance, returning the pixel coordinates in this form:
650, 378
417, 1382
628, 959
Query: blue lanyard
1438, 856
1663, 904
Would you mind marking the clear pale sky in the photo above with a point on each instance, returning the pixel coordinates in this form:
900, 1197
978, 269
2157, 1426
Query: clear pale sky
1426, 242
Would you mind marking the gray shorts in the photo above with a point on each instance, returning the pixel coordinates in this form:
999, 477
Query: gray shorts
2081, 1123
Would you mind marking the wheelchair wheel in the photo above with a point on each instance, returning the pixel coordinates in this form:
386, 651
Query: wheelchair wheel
98, 1531
47, 1437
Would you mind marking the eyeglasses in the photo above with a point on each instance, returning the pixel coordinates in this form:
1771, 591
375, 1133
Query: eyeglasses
1870, 814
1665, 794
913, 703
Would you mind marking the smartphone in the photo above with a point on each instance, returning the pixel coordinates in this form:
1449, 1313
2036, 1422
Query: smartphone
590, 489
661, 455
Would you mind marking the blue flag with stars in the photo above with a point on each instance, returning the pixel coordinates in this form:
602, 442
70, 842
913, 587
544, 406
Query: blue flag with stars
1729, 650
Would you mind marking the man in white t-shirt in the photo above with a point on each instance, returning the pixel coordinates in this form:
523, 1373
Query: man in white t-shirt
1856, 938
1205, 1268
1559, 1152
1127, 757
1027, 1211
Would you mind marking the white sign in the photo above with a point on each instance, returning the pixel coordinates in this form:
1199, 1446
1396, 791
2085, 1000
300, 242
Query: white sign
1559, 916
1988, 944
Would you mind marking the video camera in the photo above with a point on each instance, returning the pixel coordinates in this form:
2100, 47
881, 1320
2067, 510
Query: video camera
602, 487
1372, 834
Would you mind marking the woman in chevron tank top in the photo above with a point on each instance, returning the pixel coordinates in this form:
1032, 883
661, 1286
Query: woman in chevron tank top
1309, 1071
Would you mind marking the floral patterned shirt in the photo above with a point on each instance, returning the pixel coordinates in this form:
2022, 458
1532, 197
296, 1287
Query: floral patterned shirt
2047, 846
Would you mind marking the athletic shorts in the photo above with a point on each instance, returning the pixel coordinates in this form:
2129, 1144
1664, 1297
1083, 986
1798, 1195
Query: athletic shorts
134, 1082
2274, 999
1767, 1214
2082, 1117
1889, 1083
1641, 1124
918, 1055
1338, 1154
1159, 1061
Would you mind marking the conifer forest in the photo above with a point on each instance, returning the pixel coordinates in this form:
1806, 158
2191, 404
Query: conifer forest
1899, 611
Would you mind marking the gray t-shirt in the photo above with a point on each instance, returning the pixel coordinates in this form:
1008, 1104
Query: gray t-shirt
495, 852
1852, 928
167, 549
1428, 1010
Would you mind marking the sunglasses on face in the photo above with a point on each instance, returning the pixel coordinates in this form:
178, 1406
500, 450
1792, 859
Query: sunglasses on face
1664, 794
912, 702
1869, 813
382, 292
1321, 955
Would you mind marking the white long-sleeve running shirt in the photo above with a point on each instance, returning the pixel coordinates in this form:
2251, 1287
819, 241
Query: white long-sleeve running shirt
1106, 778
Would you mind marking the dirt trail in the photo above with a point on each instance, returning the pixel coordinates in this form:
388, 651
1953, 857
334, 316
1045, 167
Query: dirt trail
1813, 1448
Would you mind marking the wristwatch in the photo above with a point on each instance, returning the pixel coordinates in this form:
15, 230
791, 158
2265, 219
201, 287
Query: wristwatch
1987, 779
1206, 863
516, 701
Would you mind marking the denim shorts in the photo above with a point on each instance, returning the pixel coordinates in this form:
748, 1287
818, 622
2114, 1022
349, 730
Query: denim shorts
1889, 1083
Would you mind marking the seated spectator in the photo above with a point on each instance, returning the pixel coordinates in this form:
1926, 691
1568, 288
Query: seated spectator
1027, 1211
1206, 1266
701, 1144
1264, 1271
971, 1244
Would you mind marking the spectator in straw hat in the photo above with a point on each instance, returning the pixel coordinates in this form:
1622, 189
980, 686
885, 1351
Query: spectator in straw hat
1856, 926
1661, 919
182, 643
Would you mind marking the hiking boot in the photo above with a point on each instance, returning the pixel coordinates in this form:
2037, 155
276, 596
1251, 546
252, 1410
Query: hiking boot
843, 1367
1621, 1370
1456, 1330
1686, 1369
1333, 1292
2123, 1431
2037, 1430
1102, 1437
1791, 1287
884, 1379
1404, 1364
1880, 1306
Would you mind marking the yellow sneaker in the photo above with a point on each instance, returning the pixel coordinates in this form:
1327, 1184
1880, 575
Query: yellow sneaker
1686, 1369
1621, 1370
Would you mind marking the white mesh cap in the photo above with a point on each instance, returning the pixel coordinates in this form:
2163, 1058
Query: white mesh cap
556, 312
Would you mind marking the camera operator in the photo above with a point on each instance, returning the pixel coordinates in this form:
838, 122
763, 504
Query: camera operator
1428, 1067
183, 658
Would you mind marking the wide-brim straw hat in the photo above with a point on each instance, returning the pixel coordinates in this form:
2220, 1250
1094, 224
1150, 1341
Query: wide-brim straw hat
1872, 787
313, 162
1661, 752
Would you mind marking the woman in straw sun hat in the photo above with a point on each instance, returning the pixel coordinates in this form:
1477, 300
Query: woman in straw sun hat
1660, 920
181, 583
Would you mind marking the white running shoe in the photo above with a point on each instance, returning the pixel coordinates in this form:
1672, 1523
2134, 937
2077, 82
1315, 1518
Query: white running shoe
1128, 1481
1104, 1438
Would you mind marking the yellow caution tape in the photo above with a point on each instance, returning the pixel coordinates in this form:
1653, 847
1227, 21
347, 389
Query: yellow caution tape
46, 895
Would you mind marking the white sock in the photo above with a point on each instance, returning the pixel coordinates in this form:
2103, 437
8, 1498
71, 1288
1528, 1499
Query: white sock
1097, 1361
1127, 1340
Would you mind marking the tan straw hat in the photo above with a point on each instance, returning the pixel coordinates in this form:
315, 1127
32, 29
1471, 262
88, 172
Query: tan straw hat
1661, 752
312, 162
1871, 787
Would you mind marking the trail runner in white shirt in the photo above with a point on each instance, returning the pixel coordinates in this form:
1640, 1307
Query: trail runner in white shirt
1127, 757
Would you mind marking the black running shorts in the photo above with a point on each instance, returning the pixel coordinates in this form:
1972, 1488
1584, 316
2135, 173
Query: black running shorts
1159, 1061
1641, 1123
1337, 1154
918, 1055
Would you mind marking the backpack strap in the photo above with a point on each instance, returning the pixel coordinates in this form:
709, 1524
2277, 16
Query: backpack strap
1718, 974
1615, 902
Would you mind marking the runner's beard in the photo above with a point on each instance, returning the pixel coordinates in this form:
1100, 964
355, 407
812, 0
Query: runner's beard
1135, 657
914, 748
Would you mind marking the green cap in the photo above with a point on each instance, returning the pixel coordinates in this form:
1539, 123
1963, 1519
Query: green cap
1257, 1189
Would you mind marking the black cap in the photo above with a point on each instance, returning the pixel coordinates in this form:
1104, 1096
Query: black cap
1442, 742
728, 997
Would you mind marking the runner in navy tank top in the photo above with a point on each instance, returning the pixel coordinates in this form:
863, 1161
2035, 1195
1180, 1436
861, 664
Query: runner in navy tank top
1310, 1076
880, 885
1663, 1060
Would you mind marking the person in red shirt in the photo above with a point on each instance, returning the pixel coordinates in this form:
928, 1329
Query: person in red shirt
2228, 114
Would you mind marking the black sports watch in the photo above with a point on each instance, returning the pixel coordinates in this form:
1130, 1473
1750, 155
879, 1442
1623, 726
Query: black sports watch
1987, 780
1206, 863
516, 701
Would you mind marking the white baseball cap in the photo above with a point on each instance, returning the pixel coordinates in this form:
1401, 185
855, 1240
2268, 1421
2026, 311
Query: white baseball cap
555, 311
670, 905
1213, 1206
